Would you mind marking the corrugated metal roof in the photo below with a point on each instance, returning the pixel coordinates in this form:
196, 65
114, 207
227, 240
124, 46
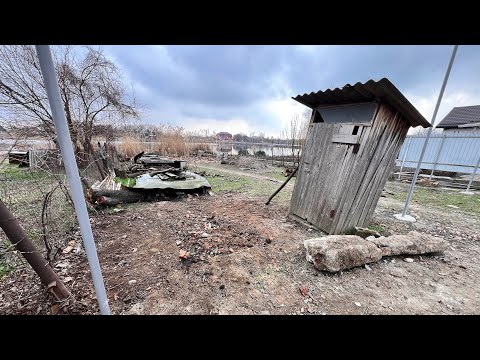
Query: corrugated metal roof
460, 116
382, 90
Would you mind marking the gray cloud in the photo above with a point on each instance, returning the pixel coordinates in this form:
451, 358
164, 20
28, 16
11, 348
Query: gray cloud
224, 83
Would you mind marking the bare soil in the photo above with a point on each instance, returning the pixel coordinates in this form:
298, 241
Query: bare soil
248, 258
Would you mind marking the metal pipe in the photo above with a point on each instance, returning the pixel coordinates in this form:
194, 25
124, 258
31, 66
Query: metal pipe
17, 236
76, 191
438, 156
417, 170
473, 175
404, 157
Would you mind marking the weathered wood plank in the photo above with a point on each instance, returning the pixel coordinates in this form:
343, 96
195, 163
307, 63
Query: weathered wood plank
303, 174
391, 126
346, 139
358, 170
332, 192
378, 140
323, 166
353, 181
318, 149
383, 174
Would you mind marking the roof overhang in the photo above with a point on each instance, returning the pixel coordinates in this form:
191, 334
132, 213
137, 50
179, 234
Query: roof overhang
379, 91
477, 124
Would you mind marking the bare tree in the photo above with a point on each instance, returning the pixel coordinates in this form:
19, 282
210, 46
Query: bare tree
295, 133
90, 85
292, 134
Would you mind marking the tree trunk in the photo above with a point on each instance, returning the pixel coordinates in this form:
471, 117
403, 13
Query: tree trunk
19, 239
89, 148
114, 197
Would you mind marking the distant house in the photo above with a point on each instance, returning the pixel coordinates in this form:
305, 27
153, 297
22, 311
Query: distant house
462, 120
224, 136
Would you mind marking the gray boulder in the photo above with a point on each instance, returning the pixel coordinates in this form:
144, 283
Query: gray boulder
339, 252
411, 244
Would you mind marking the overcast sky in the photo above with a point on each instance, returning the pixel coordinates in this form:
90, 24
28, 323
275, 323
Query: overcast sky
249, 88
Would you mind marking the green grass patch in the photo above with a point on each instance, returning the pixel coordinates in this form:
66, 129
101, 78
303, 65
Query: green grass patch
128, 182
13, 172
440, 198
5, 270
377, 228
34, 234
247, 185
277, 173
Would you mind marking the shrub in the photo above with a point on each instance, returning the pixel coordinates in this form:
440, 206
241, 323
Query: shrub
260, 154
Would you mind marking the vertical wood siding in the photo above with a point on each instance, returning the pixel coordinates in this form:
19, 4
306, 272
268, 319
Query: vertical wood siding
336, 188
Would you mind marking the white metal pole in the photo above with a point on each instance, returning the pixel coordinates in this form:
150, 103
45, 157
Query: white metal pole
468, 192
403, 215
76, 191
442, 141
404, 157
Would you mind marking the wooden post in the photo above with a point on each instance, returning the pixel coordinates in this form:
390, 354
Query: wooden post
281, 186
24, 245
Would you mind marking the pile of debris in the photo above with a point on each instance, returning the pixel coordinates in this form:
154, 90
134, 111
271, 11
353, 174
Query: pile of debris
288, 171
427, 182
153, 165
453, 181
149, 177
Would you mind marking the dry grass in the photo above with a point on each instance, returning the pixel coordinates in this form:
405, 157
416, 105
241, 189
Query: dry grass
195, 147
171, 141
130, 146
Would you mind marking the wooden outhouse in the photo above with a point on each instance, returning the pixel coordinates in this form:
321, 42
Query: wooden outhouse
354, 136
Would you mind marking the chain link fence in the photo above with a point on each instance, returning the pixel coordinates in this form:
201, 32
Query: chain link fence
37, 193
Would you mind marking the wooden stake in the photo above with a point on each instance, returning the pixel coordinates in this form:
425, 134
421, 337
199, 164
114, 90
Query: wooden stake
281, 186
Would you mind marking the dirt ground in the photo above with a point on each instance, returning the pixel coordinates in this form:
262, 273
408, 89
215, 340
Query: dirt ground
248, 258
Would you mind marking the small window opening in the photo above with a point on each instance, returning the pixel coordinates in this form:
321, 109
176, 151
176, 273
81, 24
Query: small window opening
355, 130
317, 118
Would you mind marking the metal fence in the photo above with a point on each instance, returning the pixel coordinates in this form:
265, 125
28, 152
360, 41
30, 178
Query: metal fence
38, 196
458, 153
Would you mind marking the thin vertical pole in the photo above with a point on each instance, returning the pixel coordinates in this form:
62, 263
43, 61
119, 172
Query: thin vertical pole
473, 175
438, 156
404, 157
419, 164
76, 191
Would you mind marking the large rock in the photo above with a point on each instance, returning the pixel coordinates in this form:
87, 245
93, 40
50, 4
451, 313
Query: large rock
411, 244
338, 252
